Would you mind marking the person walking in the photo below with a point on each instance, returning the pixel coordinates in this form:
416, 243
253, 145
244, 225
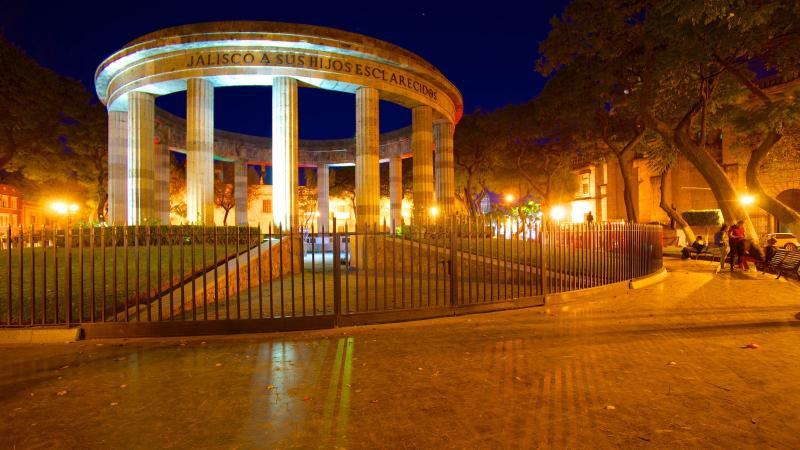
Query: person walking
721, 241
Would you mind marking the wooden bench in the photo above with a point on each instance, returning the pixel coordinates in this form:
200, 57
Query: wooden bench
789, 264
775, 261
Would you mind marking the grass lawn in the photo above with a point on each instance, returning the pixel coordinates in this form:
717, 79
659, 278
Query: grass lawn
97, 288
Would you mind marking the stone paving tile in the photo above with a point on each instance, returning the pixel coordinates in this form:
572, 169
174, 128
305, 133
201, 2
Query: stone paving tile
659, 367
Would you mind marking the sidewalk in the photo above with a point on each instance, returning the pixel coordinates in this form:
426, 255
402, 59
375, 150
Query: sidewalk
663, 366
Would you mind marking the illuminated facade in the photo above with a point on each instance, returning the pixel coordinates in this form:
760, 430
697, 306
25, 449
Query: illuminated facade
15, 212
601, 188
201, 58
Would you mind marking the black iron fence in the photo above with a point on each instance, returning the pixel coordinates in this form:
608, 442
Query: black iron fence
188, 274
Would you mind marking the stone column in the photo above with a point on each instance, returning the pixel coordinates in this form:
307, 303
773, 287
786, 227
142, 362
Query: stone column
200, 151
284, 152
396, 190
141, 199
445, 170
368, 193
240, 191
162, 181
117, 168
422, 148
323, 200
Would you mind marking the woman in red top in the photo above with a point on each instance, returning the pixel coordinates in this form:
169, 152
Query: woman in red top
736, 239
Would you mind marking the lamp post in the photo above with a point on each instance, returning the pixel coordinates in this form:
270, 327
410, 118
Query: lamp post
747, 200
434, 213
64, 209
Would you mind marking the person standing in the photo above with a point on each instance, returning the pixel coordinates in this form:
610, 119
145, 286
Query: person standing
736, 241
589, 218
721, 241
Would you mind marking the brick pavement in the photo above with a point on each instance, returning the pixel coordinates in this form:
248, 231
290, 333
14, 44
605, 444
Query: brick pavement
658, 367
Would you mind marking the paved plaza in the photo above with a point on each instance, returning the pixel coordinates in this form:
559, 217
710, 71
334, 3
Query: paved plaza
664, 366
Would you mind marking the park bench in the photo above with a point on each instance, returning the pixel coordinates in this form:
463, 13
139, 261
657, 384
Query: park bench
706, 251
784, 262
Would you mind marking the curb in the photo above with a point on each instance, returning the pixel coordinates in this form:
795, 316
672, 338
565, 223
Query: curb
40, 336
648, 280
617, 288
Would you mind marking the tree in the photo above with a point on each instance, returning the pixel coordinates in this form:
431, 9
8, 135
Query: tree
476, 151
86, 156
177, 186
32, 103
589, 113
661, 157
224, 198
680, 63
540, 154
343, 184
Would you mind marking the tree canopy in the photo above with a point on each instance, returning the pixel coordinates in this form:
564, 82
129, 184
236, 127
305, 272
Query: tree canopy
682, 67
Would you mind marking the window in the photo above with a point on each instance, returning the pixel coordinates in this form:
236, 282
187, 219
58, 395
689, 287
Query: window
586, 183
3, 201
13, 202
266, 206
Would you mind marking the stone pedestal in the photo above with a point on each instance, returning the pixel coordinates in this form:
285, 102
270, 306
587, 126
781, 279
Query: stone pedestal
200, 152
396, 190
323, 198
367, 159
422, 149
240, 191
141, 198
445, 170
284, 152
117, 168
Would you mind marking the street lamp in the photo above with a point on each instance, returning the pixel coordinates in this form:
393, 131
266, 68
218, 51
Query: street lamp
558, 213
747, 199
65, 209
509, 198
434, 212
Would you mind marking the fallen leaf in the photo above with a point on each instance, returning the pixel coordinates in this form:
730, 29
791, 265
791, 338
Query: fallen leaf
672, 363
610, 407
270, 387
65, 367
218, 364
306, 398
374, 401
113, 403
752, 345
123, 386
61, 393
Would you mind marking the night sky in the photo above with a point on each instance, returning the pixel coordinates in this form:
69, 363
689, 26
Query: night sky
487, 51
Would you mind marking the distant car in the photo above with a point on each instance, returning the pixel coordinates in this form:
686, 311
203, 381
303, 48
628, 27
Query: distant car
785, 240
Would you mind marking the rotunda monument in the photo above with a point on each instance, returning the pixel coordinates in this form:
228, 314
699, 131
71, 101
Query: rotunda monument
204, 57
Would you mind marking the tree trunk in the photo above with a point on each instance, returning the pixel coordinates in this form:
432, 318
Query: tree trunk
721, 186
672, 213
770, 204
101, 208
627, 183
225, 218
713, 174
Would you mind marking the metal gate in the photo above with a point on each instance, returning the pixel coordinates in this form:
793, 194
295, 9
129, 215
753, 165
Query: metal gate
174, 280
